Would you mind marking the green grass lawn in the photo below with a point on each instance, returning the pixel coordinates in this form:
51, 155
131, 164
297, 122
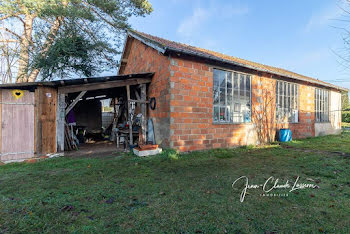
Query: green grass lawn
174, 193
338, 143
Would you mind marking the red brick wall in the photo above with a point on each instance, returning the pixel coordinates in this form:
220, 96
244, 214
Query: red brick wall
191, 107
191, 110
143, 58
184, 91
306, 125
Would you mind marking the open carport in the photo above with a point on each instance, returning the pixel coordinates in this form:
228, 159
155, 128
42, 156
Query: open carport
35, 116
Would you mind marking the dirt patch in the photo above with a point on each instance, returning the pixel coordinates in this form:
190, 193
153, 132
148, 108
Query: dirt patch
96, 149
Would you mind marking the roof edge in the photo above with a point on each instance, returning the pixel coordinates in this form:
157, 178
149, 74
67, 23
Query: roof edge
76, 81
155, 45
163, 49
256, 68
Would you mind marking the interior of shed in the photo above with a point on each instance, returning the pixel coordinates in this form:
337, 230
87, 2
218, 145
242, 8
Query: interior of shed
98, 121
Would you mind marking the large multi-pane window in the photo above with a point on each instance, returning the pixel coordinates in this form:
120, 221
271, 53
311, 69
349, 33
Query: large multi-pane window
322, 105
287, 102
232, 97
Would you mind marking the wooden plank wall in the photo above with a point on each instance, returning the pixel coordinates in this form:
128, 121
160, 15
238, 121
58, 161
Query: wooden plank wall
17, 125
46, 109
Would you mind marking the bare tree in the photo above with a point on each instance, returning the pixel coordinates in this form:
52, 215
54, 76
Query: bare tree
263, 114
9, 52
342, 23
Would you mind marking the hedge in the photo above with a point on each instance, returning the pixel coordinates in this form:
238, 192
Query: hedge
346, 116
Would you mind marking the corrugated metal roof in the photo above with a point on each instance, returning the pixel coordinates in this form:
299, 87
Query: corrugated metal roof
164, 45
68, 82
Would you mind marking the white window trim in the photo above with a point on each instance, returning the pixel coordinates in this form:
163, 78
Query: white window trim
250, 95
318, 103
296, 94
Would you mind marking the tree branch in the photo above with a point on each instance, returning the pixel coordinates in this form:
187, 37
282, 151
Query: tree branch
86, 29
9, 16
6, 17
8, 40
18, 17
50, 39
346, 11
12, 32
98, 14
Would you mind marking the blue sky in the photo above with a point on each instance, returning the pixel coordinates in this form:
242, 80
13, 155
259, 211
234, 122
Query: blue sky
296, 35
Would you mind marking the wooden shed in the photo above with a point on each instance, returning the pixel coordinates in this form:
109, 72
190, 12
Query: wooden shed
33, 115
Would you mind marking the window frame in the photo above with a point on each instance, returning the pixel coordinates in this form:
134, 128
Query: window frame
239, 90
318, 107
297, 94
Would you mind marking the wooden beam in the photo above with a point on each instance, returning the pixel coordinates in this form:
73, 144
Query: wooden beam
76, 100
138, 101
61, 106
103, 85
37, 114
144, 112
137, 95
129, 114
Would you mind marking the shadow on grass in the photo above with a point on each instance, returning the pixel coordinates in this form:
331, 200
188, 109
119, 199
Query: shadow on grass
173, 192
330, 143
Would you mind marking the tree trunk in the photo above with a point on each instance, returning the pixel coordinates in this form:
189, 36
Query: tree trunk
24, 49
50, 39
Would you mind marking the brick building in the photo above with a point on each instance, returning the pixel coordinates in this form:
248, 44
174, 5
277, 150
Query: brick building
209, 100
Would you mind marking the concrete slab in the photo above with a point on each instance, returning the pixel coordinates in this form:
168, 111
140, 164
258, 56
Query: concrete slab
145, 153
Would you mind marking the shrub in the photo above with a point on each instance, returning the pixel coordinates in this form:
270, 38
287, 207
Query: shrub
346, 116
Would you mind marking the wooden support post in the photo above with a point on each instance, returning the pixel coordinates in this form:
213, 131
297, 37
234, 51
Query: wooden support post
76, 100
137, 95
144, 112
60, 128
129, 114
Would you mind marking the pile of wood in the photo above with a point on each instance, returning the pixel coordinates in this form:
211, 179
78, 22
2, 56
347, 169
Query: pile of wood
147, 147
69, 143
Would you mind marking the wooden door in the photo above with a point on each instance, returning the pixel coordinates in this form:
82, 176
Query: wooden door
17, 124
46, 99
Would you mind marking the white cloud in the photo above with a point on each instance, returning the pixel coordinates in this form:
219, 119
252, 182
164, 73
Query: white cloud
201, 15
188, 25
324, 17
